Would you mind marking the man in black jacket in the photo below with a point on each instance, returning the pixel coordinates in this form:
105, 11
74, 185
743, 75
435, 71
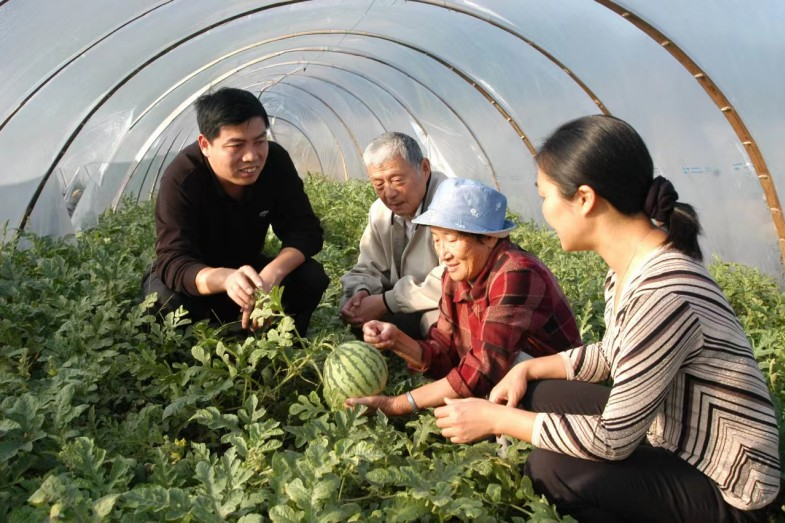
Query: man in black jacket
216, 201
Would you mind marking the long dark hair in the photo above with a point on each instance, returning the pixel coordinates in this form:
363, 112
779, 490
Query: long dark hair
606, 154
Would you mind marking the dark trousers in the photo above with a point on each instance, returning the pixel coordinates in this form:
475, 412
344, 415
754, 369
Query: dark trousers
303, 289
652, 484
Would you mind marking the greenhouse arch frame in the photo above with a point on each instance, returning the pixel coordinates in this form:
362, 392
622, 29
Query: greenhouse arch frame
90, 119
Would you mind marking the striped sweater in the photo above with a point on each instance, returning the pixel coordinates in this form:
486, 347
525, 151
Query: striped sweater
684, 378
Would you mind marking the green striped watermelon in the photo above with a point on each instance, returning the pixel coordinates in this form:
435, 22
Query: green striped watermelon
352, 370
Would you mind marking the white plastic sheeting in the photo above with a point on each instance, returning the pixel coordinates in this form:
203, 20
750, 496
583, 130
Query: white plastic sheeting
96, 99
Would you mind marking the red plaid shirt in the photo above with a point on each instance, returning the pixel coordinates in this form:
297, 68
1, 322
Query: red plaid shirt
514, 304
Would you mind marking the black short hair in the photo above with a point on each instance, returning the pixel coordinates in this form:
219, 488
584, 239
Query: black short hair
227, 106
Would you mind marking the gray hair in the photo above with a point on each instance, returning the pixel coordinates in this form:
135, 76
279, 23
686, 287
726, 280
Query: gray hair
393, 145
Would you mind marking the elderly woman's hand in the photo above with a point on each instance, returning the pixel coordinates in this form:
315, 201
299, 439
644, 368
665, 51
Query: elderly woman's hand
380, 334
468, 419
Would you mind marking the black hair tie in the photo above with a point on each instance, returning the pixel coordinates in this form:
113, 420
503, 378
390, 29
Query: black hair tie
661, 199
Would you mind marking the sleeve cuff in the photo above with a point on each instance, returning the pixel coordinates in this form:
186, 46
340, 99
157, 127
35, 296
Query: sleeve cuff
568, 368
388, 302
539, 419
458, 385
189, 279
426, 359
307, 248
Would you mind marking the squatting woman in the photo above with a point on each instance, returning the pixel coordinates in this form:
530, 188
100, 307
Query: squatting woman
686, 431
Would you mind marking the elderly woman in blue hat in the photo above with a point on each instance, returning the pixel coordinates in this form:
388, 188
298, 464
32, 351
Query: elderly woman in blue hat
499, 303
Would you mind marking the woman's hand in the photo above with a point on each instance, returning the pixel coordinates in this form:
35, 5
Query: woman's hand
380, 334
467, 419
390, 406
511, 389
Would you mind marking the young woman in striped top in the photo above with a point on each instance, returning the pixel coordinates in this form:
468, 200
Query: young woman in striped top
686, 431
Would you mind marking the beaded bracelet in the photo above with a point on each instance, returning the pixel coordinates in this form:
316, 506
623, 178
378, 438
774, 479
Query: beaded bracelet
409, 396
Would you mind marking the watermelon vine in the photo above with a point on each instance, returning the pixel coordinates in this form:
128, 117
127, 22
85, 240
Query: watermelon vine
108, 414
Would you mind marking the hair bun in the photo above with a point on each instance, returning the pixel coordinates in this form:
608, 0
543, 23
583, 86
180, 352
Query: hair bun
661, 199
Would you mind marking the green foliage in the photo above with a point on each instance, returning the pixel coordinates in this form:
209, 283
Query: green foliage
109, 413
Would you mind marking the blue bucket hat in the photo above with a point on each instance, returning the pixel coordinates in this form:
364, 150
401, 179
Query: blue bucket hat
468, 206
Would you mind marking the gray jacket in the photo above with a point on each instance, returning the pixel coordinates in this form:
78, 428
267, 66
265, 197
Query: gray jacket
418, 287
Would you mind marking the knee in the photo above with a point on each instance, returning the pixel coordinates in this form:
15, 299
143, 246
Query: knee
320, 278
544, 469
167, 300
535, 464
307, 283
313, 276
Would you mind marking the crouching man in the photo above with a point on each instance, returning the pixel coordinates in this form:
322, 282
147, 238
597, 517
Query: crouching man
216, 202
397, 278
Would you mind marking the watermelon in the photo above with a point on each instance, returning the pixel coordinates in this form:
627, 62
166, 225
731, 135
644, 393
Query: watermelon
352, 370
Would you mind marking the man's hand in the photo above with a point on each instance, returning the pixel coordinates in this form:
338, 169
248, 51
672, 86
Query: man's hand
380, 334
468, 419
358, 311
352, 305
390, 406
273, 274
241, 284
270, 276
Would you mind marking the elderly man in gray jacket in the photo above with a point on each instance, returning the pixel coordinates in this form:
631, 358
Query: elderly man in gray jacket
397, 277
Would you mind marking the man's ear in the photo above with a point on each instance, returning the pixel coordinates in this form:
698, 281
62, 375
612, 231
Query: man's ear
204, 144
586, 199
425, 167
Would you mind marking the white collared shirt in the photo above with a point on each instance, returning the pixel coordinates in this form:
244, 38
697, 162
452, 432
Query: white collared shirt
409, 225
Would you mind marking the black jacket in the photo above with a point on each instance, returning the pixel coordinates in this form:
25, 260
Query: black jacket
198, 225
